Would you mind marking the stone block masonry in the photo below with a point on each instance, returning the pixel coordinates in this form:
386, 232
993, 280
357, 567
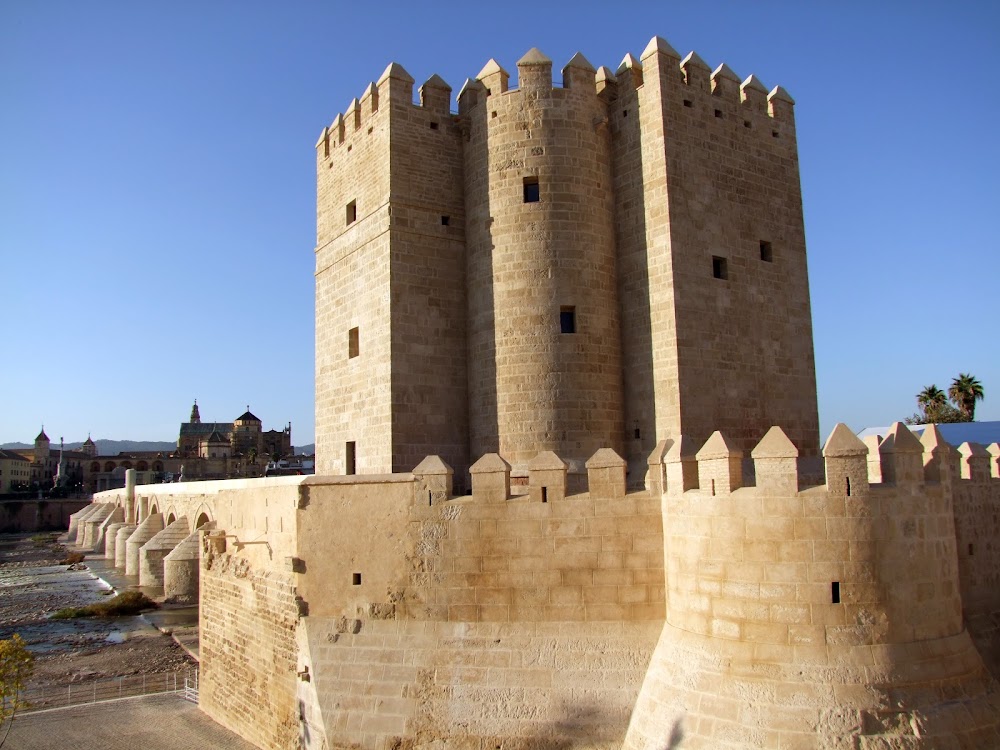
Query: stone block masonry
379, 611
247, 623
560, 268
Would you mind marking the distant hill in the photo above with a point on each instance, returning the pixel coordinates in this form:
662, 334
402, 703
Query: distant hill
105, 447
305, 450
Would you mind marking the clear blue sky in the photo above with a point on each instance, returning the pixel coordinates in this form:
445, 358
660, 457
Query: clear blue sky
157, 187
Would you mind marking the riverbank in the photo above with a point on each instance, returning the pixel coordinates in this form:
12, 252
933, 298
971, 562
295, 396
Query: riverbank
34, 585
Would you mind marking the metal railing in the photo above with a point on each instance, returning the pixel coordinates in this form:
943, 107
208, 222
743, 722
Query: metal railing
191, 686
46, 697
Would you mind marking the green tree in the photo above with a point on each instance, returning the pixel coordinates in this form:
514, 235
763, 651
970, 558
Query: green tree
931, 398
16, 664
965, 391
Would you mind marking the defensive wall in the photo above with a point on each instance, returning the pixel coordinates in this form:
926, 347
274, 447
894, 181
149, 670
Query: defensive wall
383, 611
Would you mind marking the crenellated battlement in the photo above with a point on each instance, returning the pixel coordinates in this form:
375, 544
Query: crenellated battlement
393, 88
748, 97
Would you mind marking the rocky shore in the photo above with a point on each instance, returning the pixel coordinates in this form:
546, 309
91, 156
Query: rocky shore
34, 584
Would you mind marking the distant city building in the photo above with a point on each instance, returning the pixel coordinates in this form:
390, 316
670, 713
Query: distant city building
243, 437
205, 450
45, 463
15, 471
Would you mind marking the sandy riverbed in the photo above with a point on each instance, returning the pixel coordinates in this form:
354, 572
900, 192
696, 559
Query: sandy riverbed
33, 585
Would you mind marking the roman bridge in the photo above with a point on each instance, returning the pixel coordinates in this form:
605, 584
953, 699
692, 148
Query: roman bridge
152, 531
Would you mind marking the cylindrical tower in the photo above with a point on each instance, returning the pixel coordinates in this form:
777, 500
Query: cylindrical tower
544, 340
823, 618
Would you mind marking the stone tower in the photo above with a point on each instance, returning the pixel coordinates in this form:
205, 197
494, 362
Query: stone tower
390, 282
42, 443
606, 263
544, 334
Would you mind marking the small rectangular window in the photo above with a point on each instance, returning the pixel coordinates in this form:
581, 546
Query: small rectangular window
532, 193
719, 267
687, 103
352, 212
434, 126
353, 345
445, 220
349, 458
718, 113
355, 579
567, 320
835, 592
766, 253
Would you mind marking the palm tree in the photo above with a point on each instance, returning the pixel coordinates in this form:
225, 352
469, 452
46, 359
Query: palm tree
965, 391
931, 399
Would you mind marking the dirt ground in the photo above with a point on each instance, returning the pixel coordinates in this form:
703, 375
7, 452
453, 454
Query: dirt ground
34, 585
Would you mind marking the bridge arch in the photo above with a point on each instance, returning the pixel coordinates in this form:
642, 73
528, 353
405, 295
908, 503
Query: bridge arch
203, 516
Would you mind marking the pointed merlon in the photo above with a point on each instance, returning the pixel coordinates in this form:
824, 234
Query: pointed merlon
681, 448
775, 444
581, 62
900, 440
659, 452
753, 83
628, 63
605, 75
694, 59
933, 441
779, 94
724, 71
489, 463
323, 137
842, 443
534, 56
546, 461
471, 84
660, 45
491, 67
432, 465
718, 446
436, 82
397, 71
605, 458
370, 90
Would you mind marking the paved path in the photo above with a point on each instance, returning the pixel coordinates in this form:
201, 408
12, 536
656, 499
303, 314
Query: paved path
153, 722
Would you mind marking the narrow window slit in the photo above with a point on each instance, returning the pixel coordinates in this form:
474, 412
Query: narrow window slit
567, 320
835, 592
532, 191
355, 579
545, 494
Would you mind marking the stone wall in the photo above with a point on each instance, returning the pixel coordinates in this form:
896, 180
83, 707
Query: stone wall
22, 516
247, 622
383, 611
458, 685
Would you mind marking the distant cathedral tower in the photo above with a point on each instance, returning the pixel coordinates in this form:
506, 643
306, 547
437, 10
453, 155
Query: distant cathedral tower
195, 416
41, 446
